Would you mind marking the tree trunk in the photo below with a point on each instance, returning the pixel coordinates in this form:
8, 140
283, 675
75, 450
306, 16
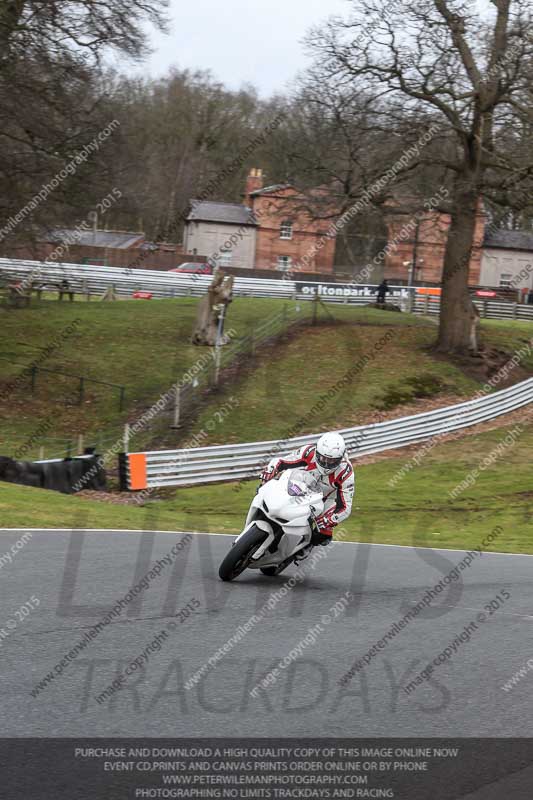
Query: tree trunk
456, 305
209, 309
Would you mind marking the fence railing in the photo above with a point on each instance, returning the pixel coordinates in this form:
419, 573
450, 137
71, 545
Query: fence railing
488, 309
241, 461
90, 280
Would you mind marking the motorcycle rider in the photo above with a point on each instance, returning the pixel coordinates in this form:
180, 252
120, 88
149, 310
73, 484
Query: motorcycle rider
329, 466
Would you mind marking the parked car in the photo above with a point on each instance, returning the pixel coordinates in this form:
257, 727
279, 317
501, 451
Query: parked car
194, 269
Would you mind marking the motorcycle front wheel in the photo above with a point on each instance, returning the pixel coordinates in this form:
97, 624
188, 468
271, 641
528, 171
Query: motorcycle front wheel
241, 554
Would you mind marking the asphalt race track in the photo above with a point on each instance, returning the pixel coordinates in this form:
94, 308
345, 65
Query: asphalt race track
77, 577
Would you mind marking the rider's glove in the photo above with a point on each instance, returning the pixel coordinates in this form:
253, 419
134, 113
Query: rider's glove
326, 521
266, 475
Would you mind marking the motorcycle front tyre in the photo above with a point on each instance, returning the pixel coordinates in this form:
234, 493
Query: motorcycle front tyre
241, 554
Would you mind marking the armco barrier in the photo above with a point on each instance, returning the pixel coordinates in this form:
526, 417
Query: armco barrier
88, 279
237, 461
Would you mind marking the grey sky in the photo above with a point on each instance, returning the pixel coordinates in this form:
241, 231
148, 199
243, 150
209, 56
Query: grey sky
240, 41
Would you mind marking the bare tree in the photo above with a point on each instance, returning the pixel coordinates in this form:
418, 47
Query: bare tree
58, 27
471, 75
53, 103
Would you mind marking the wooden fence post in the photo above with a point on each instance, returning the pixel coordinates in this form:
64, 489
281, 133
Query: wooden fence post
177, 408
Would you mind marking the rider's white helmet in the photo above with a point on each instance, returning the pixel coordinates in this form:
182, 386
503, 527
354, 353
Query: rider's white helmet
330, 450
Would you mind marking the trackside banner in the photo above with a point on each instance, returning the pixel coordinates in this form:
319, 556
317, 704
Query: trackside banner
347, 290
407, 768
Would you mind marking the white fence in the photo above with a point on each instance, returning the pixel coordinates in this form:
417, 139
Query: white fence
88, 279
488, 309
240, 461
85, 278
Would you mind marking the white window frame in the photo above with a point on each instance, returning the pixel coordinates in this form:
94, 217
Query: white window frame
506, 280
225, 258
286, 229
284, 263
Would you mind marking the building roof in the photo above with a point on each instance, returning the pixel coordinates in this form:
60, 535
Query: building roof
271, 189
509, 240
229, 213
118, 239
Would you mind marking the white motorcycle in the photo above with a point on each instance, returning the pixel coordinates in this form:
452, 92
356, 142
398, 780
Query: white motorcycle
279, 527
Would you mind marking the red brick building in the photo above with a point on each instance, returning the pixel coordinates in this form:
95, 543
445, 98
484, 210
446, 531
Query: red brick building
287, 236
420, 245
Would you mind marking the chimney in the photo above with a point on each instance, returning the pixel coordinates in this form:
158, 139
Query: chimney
254, 181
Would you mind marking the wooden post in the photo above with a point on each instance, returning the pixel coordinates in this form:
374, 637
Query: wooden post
41, 453
177, 409
217, 364
80, 444
126, 437
110, 293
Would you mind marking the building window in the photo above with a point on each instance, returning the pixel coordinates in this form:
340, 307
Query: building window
284, 262
506, 280
225, 259
286, 229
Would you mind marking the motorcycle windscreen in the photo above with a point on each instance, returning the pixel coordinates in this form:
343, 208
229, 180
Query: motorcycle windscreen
301, 483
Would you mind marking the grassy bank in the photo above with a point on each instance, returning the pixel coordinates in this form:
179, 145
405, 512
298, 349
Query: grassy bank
143, 346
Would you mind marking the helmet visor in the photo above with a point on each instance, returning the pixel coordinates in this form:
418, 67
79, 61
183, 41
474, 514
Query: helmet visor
328, 462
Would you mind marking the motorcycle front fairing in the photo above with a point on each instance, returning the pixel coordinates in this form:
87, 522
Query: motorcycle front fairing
274, 507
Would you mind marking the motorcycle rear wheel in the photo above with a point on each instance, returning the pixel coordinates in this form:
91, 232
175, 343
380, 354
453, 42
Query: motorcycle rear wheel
241, 554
